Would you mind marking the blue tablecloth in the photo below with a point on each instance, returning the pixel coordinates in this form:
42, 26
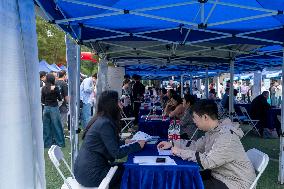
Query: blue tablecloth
184, 175
272, 121
154, 127
147, 111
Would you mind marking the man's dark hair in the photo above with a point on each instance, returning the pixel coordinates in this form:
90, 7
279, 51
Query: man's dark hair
95, 75
126, 76
61, 74
205, 106
164, 91
42, 74
265, 93
212, 91
189, 98
177, 98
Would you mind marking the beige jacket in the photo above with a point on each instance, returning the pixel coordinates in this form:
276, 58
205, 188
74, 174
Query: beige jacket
221, 151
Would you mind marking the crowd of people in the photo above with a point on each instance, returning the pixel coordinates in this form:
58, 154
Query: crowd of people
55, 99
216, 147
206, 138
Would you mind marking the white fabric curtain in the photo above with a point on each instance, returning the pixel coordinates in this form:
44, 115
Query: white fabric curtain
21, 141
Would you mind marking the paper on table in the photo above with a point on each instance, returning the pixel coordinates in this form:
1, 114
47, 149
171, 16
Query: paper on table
165, 152
151, 160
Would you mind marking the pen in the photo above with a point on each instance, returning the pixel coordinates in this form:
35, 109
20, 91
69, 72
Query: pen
172, 141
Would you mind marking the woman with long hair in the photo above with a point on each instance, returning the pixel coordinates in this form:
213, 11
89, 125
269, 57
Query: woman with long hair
175, 108
188, 128
101, 145
52, 126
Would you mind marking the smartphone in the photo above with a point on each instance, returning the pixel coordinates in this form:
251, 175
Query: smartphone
161, 160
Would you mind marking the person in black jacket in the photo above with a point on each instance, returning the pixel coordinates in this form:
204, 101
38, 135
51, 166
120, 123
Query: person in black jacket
138, 90
52, 126
259, 110
101, 145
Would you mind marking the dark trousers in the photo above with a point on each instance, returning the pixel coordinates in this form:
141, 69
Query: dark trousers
211, 183
244, 97
136, 109
127, 110
52, 127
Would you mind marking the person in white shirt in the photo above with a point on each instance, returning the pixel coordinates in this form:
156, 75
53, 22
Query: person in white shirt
86, 96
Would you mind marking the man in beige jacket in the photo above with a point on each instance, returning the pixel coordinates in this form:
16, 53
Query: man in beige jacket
220, 152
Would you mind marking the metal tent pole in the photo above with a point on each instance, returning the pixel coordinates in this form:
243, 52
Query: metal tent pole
217, 85
74, 106
281, 158
191, 83
181, 85
73, 67
206, 84
231, 100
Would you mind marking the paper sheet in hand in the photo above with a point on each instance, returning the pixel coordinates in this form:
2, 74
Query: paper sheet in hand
151, 160
141, 136
165, 152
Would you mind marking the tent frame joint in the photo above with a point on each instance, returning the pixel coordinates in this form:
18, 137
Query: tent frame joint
202, 1
202, 26
125, 11
51, 22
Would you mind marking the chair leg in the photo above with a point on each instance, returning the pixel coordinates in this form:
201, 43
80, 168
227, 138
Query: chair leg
248, 132
254, 126
125, 127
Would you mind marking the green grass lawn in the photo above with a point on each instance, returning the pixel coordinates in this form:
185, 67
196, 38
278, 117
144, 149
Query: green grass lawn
267, 181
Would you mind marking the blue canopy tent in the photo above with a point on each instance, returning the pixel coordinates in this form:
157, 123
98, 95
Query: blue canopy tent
44, 66
62, 67
55, 67
202, 34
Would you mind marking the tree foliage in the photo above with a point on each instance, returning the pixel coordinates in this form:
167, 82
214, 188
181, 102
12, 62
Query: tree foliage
52, 48
51, 42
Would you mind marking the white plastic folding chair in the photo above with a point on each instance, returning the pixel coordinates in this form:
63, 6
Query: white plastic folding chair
56, 156
251, 122
128, 121
259, 161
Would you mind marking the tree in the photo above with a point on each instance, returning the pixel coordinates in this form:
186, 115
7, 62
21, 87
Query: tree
51, 42
52, 48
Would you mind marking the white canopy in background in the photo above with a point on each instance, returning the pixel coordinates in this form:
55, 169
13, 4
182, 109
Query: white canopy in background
21, 144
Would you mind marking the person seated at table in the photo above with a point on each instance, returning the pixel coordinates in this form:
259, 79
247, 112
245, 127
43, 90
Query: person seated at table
174, 108
188, 127
101, 144
259, 110
220, 152
168, 97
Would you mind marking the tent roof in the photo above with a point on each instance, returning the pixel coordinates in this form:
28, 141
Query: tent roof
55, 67
197, 33
44, 66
